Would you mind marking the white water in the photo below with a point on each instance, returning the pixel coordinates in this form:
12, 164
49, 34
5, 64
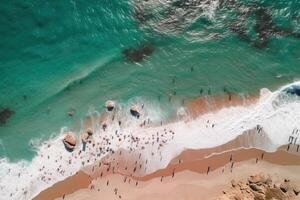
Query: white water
278, 115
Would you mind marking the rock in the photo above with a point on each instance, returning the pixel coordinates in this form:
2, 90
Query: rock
69, 141
257, 179
84, 137
296, 190
274, 193
285, 187
258, 196
134, 110
89, 132
256, 188
286, 180
233, 183
269, 181
110, 105
259, 187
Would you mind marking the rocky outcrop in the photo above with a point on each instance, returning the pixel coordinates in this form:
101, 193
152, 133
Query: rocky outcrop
69, 141
261, 187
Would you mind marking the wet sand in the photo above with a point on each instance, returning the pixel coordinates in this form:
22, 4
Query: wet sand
67, 186
206, 104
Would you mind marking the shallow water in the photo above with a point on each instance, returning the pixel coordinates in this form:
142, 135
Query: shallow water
61, 56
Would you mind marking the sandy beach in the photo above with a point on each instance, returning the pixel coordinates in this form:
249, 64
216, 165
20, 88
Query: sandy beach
192, 174
187, 177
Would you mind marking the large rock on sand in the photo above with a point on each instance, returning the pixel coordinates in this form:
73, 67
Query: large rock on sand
69, 141
86, 135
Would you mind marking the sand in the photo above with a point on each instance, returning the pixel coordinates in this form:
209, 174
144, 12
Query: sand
184, 185
191, 176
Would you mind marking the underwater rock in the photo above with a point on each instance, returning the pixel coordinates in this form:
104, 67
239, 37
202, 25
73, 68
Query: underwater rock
138, 54
5, 114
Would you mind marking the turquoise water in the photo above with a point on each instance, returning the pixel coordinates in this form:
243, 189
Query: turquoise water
58, 56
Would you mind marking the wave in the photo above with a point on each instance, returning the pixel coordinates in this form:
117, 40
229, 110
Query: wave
276, 113
81, 77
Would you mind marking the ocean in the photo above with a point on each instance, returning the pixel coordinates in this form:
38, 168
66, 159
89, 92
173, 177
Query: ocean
60, 61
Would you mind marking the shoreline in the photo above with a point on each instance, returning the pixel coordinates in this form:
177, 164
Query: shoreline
130, 165
243, 146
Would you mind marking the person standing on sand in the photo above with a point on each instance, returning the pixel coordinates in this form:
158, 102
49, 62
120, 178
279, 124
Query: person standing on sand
208, 169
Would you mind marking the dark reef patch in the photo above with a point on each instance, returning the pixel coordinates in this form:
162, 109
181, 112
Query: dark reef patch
264, 27
5, 114
138, 54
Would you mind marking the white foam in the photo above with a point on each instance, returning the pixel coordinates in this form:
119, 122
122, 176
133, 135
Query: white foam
24, 180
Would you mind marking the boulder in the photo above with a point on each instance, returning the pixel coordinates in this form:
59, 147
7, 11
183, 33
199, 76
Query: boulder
257, 179
69, 141
134, 110
110, 105
89, 132
84, 137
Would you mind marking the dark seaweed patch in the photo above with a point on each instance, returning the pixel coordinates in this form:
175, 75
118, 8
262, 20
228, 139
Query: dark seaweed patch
5, 114
138, 54
294, 90
264, 27
240, 30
